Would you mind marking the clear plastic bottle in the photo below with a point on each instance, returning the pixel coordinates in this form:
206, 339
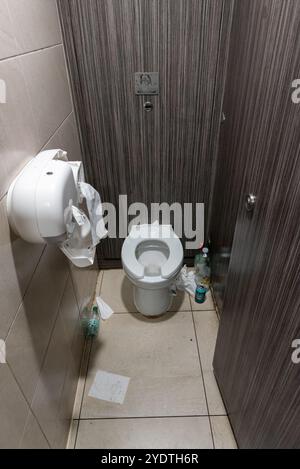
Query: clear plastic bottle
203, 269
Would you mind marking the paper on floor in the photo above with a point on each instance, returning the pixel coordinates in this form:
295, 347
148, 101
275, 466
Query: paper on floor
109, 387
105, 311
186, 281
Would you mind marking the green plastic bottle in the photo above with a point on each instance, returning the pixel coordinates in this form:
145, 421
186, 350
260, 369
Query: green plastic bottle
91, 322
94, 323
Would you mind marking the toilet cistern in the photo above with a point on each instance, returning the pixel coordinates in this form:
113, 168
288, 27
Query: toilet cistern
45, 205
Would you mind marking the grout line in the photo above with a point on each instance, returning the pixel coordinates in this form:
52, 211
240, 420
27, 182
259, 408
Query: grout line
204, 387
204, 311
137, 313
3, 197
99, 284
90, 344
190, 300
70, 434
102, 281
154, 417
55, 131
23, 54
85, 371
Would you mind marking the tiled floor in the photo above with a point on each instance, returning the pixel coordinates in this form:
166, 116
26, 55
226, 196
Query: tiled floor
173, 400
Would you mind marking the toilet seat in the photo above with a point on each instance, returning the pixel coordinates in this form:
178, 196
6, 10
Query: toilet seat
142, 234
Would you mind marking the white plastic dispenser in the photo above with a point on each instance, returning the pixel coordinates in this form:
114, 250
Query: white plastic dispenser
49, 202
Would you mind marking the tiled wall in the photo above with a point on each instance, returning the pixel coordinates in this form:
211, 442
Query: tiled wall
40, 294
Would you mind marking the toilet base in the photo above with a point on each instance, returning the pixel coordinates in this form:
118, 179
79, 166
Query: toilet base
152, 303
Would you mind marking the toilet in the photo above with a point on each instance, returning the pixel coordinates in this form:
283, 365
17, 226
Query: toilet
152, 258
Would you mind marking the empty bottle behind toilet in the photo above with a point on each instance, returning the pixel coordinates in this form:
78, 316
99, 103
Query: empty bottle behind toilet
202, 268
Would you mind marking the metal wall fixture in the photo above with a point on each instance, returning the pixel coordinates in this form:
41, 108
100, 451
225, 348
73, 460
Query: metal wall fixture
250, 202
148, 106
146, 83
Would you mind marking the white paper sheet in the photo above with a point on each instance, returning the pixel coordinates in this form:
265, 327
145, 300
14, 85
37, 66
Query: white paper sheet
109, 387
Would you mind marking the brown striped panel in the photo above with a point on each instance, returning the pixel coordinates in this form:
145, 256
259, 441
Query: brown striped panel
167, 155
260, 153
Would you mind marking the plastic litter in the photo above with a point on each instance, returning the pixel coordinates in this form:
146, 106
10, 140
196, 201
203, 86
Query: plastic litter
105, 311
84, 232
186, 281
90, 321
95, 210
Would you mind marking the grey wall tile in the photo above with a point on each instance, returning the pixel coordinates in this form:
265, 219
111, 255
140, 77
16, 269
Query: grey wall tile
84, 281
13, 410
66, 138
49, 399
43, 365
46, 77
8, 46
30, 334
35, 23
69, 312
33, 437
18, 132
20, 260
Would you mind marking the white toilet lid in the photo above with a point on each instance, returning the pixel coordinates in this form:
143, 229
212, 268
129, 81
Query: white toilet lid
136, 269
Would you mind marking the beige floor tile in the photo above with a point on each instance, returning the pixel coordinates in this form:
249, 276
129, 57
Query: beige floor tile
214, 398
181, 302
207, 306
168, 433
117, 291
153, 397
207, 325
222, 433
73, 434
160, 357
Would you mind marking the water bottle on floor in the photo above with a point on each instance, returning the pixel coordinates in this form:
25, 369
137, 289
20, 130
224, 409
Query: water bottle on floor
203, 275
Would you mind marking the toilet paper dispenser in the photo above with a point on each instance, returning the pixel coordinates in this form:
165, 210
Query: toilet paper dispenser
49, 202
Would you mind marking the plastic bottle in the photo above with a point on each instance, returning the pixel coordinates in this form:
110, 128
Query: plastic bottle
91, 322
202, 275
200, 296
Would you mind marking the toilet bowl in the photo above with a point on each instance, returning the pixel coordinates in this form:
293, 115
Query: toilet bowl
152, 258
